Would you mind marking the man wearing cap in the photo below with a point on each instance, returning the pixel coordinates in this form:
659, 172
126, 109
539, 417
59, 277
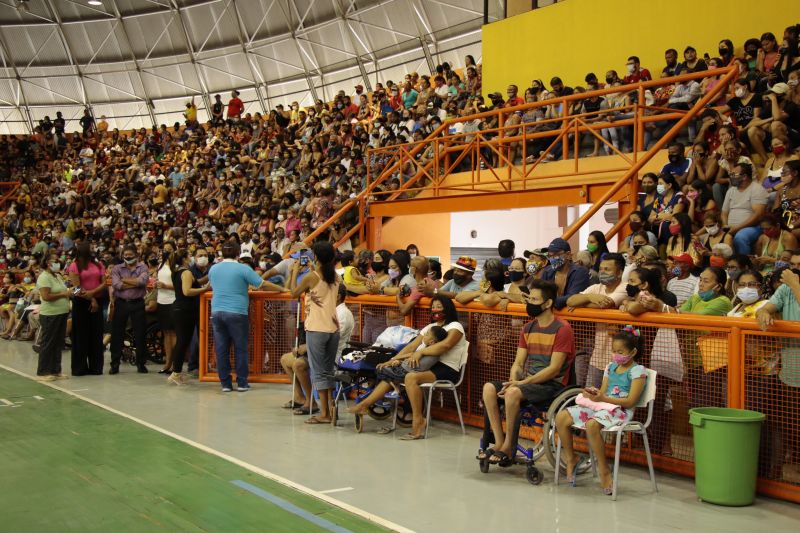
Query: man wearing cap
463, 270
569, 277
682, 283
284, 268
535, 265
230, 323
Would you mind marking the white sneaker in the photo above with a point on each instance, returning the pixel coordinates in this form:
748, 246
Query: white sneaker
176, 379
226, 389
46, 378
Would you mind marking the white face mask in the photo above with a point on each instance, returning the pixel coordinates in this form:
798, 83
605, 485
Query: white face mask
202, 261
740, 92
55, 267
712, 230
631, 68
747, 295
280, 217
262, 265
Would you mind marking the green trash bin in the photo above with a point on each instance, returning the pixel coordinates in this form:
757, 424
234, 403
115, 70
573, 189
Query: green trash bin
726, 445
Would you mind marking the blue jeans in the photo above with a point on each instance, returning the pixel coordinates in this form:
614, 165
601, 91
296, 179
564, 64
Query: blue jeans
231, 328
322, 357
745, 238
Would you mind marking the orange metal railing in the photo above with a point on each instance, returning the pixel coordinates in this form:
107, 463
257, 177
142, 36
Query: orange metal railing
701, 360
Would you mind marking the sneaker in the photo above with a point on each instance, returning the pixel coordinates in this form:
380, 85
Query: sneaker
61, 376
194, 374
226, 389
176, 379
243, 388
46, 378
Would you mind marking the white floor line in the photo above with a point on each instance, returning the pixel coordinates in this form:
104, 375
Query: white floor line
5, 402
73, 390
331, 491
38, 398
269, 475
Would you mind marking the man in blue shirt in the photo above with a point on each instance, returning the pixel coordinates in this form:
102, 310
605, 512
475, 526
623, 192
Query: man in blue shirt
230, 302
678, 164
569, 277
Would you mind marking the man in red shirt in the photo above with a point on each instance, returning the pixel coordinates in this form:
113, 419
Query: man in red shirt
235, 107
513, 99
635, 72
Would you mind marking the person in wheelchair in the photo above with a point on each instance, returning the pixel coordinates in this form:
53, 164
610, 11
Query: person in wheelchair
623, 383
540, 372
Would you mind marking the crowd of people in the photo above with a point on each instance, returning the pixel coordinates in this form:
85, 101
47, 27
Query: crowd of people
110, 229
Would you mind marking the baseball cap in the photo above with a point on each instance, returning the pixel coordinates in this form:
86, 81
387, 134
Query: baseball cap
540, 252
559, 245
682, 258
779, 88
466, 263
245, 255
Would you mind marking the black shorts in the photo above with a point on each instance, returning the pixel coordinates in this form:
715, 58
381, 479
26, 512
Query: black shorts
538, 394
445, 373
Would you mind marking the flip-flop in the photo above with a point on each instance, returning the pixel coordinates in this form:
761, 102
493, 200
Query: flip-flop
315, 420
504, 462
292, 405
573, 479
409, 436
304, 411
488, 452
385, 430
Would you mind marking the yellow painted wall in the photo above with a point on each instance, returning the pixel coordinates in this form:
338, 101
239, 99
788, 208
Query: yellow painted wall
431, 233
574, 37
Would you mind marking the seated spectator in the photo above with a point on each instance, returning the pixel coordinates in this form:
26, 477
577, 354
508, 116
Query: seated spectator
699, 201
597, 246
691, 63
569, 277
636, 224
681, 240
669, 202
743, 208
648, 196
463, 271
682, 282
622, 386
749, 295
770, 122
770, 173
540, 371
787, 203
772, 243
678, 166
712, 233
673, 68
635, 71
407, 299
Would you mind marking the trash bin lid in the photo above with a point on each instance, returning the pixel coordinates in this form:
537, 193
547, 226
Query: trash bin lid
726, 414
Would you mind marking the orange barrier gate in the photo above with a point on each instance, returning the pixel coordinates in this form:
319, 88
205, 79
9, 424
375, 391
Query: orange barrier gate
700, 360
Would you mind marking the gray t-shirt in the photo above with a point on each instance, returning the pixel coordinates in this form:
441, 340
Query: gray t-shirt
451, 286
739, 204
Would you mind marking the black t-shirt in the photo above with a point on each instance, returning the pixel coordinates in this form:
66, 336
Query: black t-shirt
281, 120
698, 67
60, 124
216, 109
744, 113
86, 122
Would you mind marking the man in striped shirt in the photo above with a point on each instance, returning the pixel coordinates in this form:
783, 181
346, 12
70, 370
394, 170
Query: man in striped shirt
540, 372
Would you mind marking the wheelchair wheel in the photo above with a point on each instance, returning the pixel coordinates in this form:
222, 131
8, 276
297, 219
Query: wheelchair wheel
534, 475
359, 423
549, 434
154, 339
334, 414
380, 411
484, 465
404, 416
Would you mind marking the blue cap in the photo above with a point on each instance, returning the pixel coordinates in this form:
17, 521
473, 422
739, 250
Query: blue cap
559, 245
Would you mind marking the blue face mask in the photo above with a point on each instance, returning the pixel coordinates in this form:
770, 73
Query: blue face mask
781, 264
707, 295
556, 262
676, 272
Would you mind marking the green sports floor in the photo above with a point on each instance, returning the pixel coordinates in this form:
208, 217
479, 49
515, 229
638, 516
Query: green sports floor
68, 465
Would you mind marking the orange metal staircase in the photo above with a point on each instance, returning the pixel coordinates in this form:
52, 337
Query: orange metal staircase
432, 180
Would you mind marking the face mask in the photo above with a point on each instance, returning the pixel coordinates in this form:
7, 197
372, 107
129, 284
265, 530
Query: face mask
772, 233
676, 272
610, 80
437, 316
635, 226
26, 279
792, 83
592, 248
394, 273
735, 182
712, 230
723, 51
648, 188
740, 93
621, 359
130, 260
515, 275
534, 310
747, 295
9, 257
781, 264
556, 262
734, 273
661, 189
631, 68
674, 159
262, 265
778, 150
632, 290
55, 267
280, 217
412, 255
532, 268
202, 261
693, 195
377, 266
707, 295
674, 229
607, 279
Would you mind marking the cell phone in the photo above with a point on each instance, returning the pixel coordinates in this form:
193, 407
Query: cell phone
76, 290
303, 260
405, 290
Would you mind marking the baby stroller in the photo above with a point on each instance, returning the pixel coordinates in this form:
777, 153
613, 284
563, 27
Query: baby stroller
356, 376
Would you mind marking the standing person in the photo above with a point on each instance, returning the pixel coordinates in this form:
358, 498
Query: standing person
230, 281
53, 315
200, 272
186, 311
88, 275
129, 281
165, 300
321, 324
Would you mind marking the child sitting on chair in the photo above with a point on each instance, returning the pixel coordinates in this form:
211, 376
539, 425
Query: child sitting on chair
623, 384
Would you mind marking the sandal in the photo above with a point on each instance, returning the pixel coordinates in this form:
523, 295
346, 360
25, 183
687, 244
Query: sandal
488, 452
292, 405
411, 436
572, 479
305, 410
608, 491
503, 461
316, 420
385, 430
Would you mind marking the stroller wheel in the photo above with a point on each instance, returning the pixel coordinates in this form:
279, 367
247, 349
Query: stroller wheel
359, 423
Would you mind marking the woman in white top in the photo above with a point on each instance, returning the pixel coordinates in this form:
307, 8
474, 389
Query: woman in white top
165, 298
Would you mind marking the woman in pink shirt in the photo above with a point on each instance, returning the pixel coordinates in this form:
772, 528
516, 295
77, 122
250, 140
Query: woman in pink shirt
87, 277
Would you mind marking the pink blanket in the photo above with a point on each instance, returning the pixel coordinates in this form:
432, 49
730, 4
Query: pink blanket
583, 401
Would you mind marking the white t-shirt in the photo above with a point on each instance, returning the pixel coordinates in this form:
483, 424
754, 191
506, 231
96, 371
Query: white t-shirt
165, 296
452, 357
346, 325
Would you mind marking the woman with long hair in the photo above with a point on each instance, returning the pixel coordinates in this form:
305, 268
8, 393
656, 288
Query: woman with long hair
681, 240
186, 310
597, 246
321, 287
87, 275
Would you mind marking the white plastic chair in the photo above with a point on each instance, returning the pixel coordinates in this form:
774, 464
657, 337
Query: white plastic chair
442, 385
632, 426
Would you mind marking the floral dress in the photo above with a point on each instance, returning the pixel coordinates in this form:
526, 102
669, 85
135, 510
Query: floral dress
619, 386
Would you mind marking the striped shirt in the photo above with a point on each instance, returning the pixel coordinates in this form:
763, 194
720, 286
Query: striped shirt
540, 344
682, 288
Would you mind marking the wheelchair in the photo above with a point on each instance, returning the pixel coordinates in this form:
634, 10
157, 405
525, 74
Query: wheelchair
153, 339
542, 417
357, 379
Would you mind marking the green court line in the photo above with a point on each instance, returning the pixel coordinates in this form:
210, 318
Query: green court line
68, 465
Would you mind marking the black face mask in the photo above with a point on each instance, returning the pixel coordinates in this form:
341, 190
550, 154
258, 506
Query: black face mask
514, 275
534, 310
675, 159
724, 51
609, 80
377, 266
632, 290
459, 279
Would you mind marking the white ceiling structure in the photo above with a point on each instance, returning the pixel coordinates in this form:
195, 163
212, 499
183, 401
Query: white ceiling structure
137, 61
